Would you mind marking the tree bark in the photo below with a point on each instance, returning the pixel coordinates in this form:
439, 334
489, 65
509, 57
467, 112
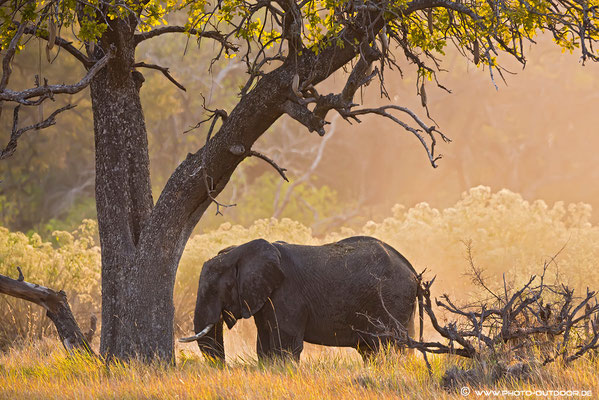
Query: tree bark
123, 191
57, 309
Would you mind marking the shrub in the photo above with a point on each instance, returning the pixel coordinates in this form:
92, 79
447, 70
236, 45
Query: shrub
508, 235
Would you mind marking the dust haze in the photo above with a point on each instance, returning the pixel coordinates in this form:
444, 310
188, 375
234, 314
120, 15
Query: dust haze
536, 136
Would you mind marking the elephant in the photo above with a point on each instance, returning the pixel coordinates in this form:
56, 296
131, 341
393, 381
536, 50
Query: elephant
327, 295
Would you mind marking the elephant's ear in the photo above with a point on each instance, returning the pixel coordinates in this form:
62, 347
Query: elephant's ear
258, 275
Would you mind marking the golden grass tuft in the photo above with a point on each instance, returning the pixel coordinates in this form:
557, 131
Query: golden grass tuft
42, 370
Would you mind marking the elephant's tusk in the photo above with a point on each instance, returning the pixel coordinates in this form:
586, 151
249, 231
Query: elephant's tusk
197, 336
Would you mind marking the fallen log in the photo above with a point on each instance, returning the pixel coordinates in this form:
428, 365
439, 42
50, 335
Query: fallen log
56, 306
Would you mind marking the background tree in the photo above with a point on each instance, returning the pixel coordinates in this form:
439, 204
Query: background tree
288, 49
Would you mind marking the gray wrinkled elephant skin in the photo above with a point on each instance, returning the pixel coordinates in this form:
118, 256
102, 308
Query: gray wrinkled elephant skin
318, 294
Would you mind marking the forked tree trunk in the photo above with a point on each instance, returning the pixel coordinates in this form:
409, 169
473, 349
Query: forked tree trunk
141, 242
141, 246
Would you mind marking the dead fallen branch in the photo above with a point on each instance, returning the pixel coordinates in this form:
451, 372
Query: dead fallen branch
57, 309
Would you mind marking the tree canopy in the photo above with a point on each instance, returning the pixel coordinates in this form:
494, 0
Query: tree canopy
267, 33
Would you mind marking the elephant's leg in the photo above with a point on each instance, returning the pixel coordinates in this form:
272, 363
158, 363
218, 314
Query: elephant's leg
212, 344
371, 346
264, 338
279, 335
367, 351
368, 347
288, 345
298, 347
289, 335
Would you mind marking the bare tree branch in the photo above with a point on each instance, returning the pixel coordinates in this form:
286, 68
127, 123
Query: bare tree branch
18, 132
203, 167
280, 170
304, 116
515, 322
219, 37
164, 70
430, 130
48, 91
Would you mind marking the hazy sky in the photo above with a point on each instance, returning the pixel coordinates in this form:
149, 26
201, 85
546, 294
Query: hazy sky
536, 136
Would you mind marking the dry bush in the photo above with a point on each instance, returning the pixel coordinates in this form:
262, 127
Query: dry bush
508, 234
509, 335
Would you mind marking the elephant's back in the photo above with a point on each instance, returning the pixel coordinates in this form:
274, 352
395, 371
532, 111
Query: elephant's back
355, 254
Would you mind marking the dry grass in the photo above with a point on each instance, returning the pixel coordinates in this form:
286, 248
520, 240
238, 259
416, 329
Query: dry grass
41, 370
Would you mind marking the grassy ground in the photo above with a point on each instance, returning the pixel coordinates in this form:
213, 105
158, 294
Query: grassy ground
41, 370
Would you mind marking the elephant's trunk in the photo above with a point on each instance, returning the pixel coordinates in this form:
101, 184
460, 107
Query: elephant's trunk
211, 344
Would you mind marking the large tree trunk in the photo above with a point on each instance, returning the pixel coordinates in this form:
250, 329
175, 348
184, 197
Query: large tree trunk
141, 248
123, 191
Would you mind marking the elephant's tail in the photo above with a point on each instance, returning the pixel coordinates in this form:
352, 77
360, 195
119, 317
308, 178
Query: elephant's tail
420, 310
420, 296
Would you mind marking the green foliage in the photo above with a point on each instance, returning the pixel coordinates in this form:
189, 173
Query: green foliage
83, 209
492, 28
259, 202
53, 170
89, 30
323, 20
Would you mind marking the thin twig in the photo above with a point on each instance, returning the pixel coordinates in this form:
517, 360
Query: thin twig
280, 170
164, 70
